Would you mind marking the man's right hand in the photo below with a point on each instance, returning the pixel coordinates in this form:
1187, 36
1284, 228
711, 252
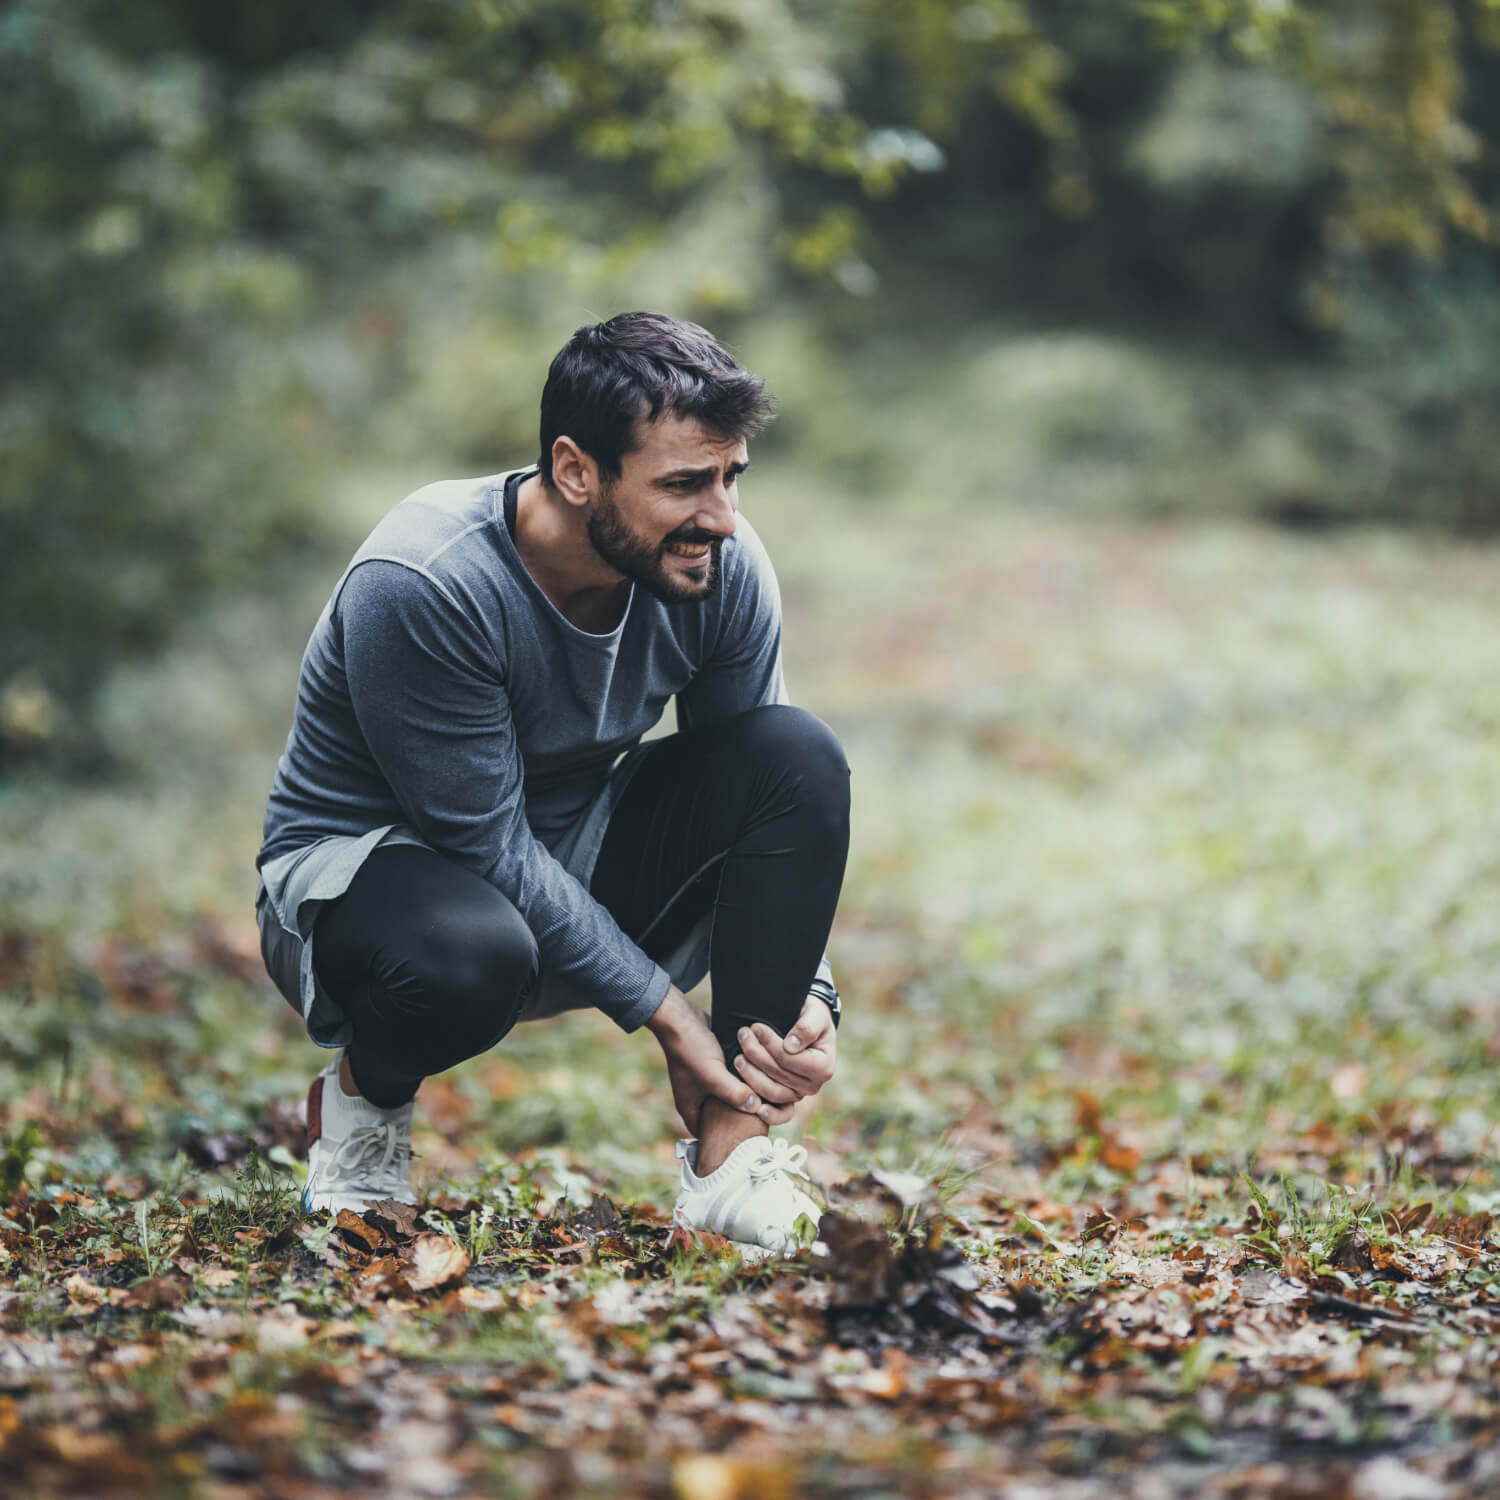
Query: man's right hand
695, 1065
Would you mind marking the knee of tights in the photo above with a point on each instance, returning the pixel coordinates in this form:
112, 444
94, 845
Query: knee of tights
798, 739
478, 970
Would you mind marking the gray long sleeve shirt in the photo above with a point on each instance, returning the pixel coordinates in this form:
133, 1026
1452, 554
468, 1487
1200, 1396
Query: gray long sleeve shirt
442, 689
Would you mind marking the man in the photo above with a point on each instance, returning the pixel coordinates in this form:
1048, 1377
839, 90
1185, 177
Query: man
465, 829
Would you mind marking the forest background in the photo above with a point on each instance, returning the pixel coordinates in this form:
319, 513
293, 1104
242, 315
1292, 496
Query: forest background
1132, 491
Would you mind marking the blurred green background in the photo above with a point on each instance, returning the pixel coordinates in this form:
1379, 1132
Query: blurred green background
1185, 263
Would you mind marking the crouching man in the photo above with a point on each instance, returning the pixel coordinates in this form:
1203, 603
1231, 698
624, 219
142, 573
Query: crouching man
465, 829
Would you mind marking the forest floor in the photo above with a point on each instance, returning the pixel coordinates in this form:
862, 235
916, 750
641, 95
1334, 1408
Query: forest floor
1162, 1150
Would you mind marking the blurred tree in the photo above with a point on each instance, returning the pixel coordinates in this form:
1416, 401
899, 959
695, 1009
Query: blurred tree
195, 199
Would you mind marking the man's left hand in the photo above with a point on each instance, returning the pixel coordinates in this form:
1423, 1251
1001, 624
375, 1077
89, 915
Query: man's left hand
784, 1069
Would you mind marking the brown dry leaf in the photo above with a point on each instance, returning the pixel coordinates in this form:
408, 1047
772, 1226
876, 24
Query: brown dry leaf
648, 1213
160, 1292
218, 1277
1354, 1254
396, 1219
1045, 1211
356, 1231
598, 1218
1100, 1226
380, 1278
434, 1261
701, 1240
1470, 1229
1117, 1155
1390, 1262
84, 1294
480, 1298
10, 1421
1415, 1217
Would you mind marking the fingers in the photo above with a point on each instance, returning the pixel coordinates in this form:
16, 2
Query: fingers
734, 1092
771, 1089
806, 1072
768, 1052
757, 1053
816, 1019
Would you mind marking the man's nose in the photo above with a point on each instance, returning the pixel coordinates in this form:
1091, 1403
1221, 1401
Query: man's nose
719, 511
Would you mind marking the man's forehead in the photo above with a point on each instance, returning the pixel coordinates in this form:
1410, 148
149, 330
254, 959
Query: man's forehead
677, 442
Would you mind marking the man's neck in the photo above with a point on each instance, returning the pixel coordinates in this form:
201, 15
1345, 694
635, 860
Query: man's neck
552, 538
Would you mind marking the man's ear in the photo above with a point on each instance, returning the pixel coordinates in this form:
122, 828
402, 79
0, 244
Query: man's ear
575, 476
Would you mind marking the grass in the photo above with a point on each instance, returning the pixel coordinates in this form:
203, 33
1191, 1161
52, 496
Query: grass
1170, 926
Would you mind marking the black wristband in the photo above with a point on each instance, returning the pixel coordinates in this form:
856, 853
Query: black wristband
829, 996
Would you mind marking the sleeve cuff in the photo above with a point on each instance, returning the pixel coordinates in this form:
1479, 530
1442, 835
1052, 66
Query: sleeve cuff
649, 1003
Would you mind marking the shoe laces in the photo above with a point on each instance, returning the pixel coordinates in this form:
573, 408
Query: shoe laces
779, 1156
370, 1153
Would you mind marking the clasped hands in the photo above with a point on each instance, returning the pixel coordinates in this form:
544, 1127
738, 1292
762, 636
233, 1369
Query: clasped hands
774, 1071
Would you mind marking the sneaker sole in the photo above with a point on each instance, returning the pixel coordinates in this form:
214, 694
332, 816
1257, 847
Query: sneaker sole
335, 1203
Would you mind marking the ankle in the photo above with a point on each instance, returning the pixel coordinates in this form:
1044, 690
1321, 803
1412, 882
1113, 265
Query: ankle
346, 1079
720, 1129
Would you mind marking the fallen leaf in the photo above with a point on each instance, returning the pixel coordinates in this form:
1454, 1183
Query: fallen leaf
432, 1261
283, 1328
1117, 1155
703, 1241
84, 1294
599, 1217
480, 1298
394, 1218
160, 1292
356, 1230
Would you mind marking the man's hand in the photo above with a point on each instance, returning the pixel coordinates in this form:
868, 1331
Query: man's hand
695, 1065
785, 1069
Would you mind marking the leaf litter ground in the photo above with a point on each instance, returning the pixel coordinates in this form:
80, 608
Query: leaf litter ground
1160, 1162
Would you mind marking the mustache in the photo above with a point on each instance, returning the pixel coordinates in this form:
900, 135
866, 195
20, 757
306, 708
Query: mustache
692, 534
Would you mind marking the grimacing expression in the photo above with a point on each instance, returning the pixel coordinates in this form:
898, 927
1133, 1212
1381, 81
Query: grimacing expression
682, 474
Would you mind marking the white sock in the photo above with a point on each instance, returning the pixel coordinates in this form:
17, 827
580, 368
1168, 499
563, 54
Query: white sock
702, 1181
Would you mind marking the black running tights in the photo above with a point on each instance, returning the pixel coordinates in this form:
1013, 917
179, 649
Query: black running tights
746, 819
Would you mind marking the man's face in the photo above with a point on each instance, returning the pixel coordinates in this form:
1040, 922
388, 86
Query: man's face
663, 521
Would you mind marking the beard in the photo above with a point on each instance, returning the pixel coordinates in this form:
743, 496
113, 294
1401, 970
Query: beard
644, 561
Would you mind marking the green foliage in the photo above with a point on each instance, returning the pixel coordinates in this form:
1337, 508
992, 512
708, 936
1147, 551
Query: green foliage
15, 1155
226, 237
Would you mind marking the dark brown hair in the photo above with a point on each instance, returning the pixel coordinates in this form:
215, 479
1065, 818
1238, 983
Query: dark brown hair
639, 365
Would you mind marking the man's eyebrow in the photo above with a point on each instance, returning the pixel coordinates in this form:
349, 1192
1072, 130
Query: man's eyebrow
707, 472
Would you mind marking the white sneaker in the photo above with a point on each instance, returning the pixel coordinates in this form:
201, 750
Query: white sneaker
750, 1198
357, 1153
